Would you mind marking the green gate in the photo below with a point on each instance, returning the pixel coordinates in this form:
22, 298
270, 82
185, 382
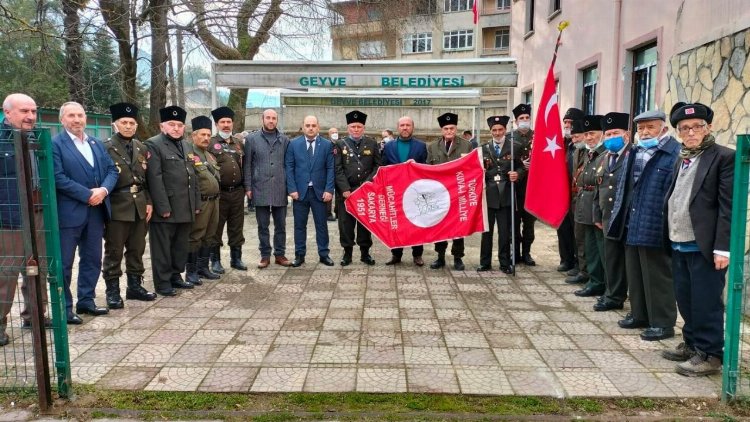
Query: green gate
31, 249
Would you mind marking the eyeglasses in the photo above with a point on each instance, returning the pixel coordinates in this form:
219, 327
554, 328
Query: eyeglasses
695, 128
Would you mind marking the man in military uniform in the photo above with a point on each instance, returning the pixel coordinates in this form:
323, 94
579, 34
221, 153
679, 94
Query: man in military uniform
332, 209
609, 170
579, 274
501, 170
566, 240
448, 148
228, 152
131, 210
524, 136
586, 187
207, 221
356, 160
174, 192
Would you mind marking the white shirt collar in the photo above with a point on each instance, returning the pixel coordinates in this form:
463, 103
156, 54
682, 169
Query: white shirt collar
77, 139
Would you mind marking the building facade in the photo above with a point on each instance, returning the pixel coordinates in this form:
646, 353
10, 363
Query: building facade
637, 55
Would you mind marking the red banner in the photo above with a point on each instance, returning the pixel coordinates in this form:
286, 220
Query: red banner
412, 204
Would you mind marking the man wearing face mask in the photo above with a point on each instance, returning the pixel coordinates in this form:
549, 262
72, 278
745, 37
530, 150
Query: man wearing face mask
579, 274
356, 160
131, 210
609, 169
524, 136
584, 212
229, 154
498, 178
637, 220
332, 209
450, 147
566, 241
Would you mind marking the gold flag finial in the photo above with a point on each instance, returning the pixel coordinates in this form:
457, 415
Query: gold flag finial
562, 25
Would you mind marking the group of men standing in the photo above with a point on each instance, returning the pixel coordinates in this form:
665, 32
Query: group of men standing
650, 222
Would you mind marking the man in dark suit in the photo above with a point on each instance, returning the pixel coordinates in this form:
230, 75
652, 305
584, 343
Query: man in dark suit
566, 239
84, 176
698, 222
176, 198
309, 181
501, 170
402, 149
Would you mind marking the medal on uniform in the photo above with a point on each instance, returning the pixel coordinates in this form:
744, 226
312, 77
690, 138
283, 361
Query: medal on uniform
498, 178
119, 170
344, 151
366, 152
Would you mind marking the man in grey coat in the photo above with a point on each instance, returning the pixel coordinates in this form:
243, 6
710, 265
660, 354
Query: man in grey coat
265, 184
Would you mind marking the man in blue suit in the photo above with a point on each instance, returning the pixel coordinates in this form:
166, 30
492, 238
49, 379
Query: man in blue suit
405, 148
84, 176
309, 181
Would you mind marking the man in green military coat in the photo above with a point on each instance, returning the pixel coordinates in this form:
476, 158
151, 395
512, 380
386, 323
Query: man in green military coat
524, 136
448, 148
207, 220
131, 205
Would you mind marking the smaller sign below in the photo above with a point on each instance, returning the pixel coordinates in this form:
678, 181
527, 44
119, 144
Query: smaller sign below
357, 101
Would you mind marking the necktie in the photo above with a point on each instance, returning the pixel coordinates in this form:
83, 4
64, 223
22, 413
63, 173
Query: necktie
448, 146
310, 148
612, 161
497, 150
686, 163
129, 149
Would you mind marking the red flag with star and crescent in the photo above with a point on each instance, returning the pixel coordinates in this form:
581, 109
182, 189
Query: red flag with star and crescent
547, 189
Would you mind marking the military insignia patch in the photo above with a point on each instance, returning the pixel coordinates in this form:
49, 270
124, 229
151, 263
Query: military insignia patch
367, 152
217, 147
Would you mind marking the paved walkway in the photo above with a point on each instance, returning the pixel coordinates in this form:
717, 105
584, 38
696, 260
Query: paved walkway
377, 329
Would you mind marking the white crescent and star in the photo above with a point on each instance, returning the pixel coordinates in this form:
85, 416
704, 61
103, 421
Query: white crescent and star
552, 145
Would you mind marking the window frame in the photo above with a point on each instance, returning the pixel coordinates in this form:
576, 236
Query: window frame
448, 5
507, 36
467, 34
589, 88
414, 39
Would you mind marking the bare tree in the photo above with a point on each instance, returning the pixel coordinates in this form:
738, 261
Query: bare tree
73, 49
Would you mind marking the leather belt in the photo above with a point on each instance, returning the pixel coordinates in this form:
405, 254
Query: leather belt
231, 188
589, 187
131, 189
209, 197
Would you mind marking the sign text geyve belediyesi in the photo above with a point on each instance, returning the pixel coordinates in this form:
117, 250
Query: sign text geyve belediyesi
426, 81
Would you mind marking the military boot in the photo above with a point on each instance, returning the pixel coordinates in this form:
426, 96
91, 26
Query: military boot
191, 269
114, 300
439, 262
4, 339
215, 258
203, 270
236, 259
136, 291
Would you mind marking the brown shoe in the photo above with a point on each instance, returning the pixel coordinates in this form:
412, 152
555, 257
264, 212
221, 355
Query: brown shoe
699, 365
681, 353
264, 262
418, 261
281, 260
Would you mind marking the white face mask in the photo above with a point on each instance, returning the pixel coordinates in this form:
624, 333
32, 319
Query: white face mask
335, 136
566, 132
224, 135
500, 140
524, 125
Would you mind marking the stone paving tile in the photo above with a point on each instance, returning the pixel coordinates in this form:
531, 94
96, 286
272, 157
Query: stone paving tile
423, 339
466, 339
228, 379
106, 322
103, 353
280, 379
381, 324
338, 338
151, 354
519, 358
634, 342
383, 312
381, 338
432, 379
197, 353
341, 324
579, 328
590, 383
297, 337
483, 380
535, 382
420, 325
263, 324
219, 323
88, 373
381, 355
178, 379
683, 386
508, 341
341, 313
335, 354
551, 341
167, 336
212, 337
638, 384
408, 313
288, 354
255, 337
245, 353
328, 379
652, 360
381, 380
595, 342
184, 323
128, 378
467, 356
566, 359
426, 356
614, 360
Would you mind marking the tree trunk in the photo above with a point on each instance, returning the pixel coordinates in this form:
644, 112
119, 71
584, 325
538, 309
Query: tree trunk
159, 35
237, 102
73, 51
180, 70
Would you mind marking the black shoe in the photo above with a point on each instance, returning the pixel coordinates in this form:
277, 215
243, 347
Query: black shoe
657, 333
629, 323
528, 260
4, 339
180, 284
346, 260
565, 267
236, 259
507, 269
394, 260
331, 218
607, 305
483, 268
326, 260
573, 271
589, 292
112, 294
458, 264
74, 319
577, 279
91, 310
26, 324
298, 260
201, 264
438, 263
168, 293
367, 259
135, 290
215, 258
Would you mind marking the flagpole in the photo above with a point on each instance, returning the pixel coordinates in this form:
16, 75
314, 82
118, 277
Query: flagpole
560, 27
512, 206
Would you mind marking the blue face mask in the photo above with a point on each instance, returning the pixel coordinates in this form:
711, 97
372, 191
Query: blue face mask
614, 144
648, 143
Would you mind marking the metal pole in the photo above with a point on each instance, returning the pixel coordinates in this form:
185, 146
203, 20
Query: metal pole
31, 270
512, 205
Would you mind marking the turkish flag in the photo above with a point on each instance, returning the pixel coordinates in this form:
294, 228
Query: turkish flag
475, 11
547, 190
412, 204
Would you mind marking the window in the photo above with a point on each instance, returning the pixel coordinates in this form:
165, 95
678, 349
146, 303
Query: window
527, 97
371, 49
590, 77
530, 16
644, 79
458, 40
418, 43
503, 4
374, 14
554, 6
502, 39
458, 5
426, 7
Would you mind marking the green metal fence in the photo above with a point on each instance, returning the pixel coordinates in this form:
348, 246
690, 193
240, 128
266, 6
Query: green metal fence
30, 264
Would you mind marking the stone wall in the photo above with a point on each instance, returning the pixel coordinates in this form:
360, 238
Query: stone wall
716, 74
